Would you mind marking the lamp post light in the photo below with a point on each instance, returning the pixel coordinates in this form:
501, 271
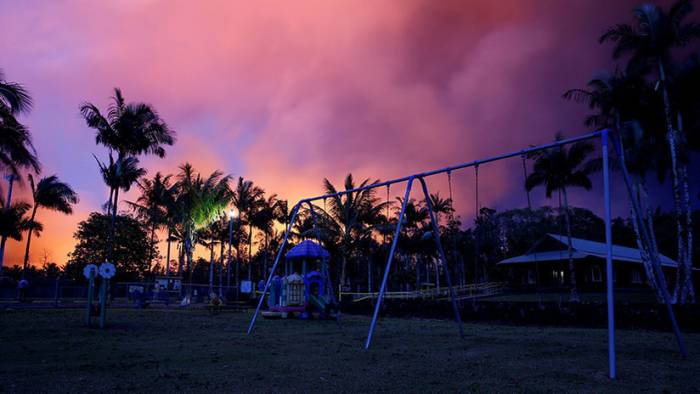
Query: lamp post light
232, 214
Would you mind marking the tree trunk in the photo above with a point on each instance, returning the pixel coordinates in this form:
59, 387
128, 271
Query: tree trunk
181, 258
646, 250
238, 268
688, 293
416, 262
153, 240
111, 196
188, 256
369, 274
2, 250
671, 138
656, 264
265, 257
167, 260
211, 266
572, 268
3, 239
221, 268
112, 226
343, 264
250, 253
437, 273
29, 241
344, 261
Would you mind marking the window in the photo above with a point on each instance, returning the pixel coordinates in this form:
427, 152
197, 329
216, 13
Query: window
636, 276
596, 274
558, 276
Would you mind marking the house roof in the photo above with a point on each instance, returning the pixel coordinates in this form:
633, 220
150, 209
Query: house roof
583, 248
307, 249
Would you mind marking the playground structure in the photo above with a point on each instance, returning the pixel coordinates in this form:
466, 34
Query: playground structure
106, 271
303, 293
602, 136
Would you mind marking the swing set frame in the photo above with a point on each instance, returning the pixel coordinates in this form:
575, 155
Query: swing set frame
602, 135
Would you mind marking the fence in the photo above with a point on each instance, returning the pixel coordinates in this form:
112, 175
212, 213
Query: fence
64, 292
438, 293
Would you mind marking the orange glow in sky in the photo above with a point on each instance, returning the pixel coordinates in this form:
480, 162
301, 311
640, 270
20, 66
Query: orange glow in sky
287, 93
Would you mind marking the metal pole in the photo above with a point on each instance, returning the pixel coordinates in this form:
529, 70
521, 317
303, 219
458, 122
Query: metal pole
221, 277
274, 266
90, 296
609, 264
230, 241
211, 268
103, 301
438, 244
397, 233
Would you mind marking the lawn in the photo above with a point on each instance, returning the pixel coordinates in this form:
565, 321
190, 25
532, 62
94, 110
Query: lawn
189, 350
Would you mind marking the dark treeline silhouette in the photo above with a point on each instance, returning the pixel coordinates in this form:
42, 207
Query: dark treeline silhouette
649, 103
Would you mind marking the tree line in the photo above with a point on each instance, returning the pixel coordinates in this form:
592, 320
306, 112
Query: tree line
650, 104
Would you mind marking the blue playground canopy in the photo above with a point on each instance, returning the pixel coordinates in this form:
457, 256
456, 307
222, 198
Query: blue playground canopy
307, 249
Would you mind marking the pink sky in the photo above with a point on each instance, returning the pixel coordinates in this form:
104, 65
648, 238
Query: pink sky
289, 92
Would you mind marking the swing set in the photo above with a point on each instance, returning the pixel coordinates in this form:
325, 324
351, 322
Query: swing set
602, 135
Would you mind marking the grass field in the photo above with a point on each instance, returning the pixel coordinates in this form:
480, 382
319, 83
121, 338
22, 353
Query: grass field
189, 350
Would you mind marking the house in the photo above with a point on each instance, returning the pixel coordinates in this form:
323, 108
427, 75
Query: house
545, 265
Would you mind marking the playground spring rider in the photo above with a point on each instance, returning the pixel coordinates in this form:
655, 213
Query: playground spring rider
106, 270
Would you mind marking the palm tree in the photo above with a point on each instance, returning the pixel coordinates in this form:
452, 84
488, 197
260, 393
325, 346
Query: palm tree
650, 41
199, 201
129, 129
349, 216
16, 149
52, 194
246, 198
206, 237
441, 205
12, 223
118, 175
263, 219
14, 96
685, 79
623, 102
171, 221
557, 169
152, 205
413, 233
